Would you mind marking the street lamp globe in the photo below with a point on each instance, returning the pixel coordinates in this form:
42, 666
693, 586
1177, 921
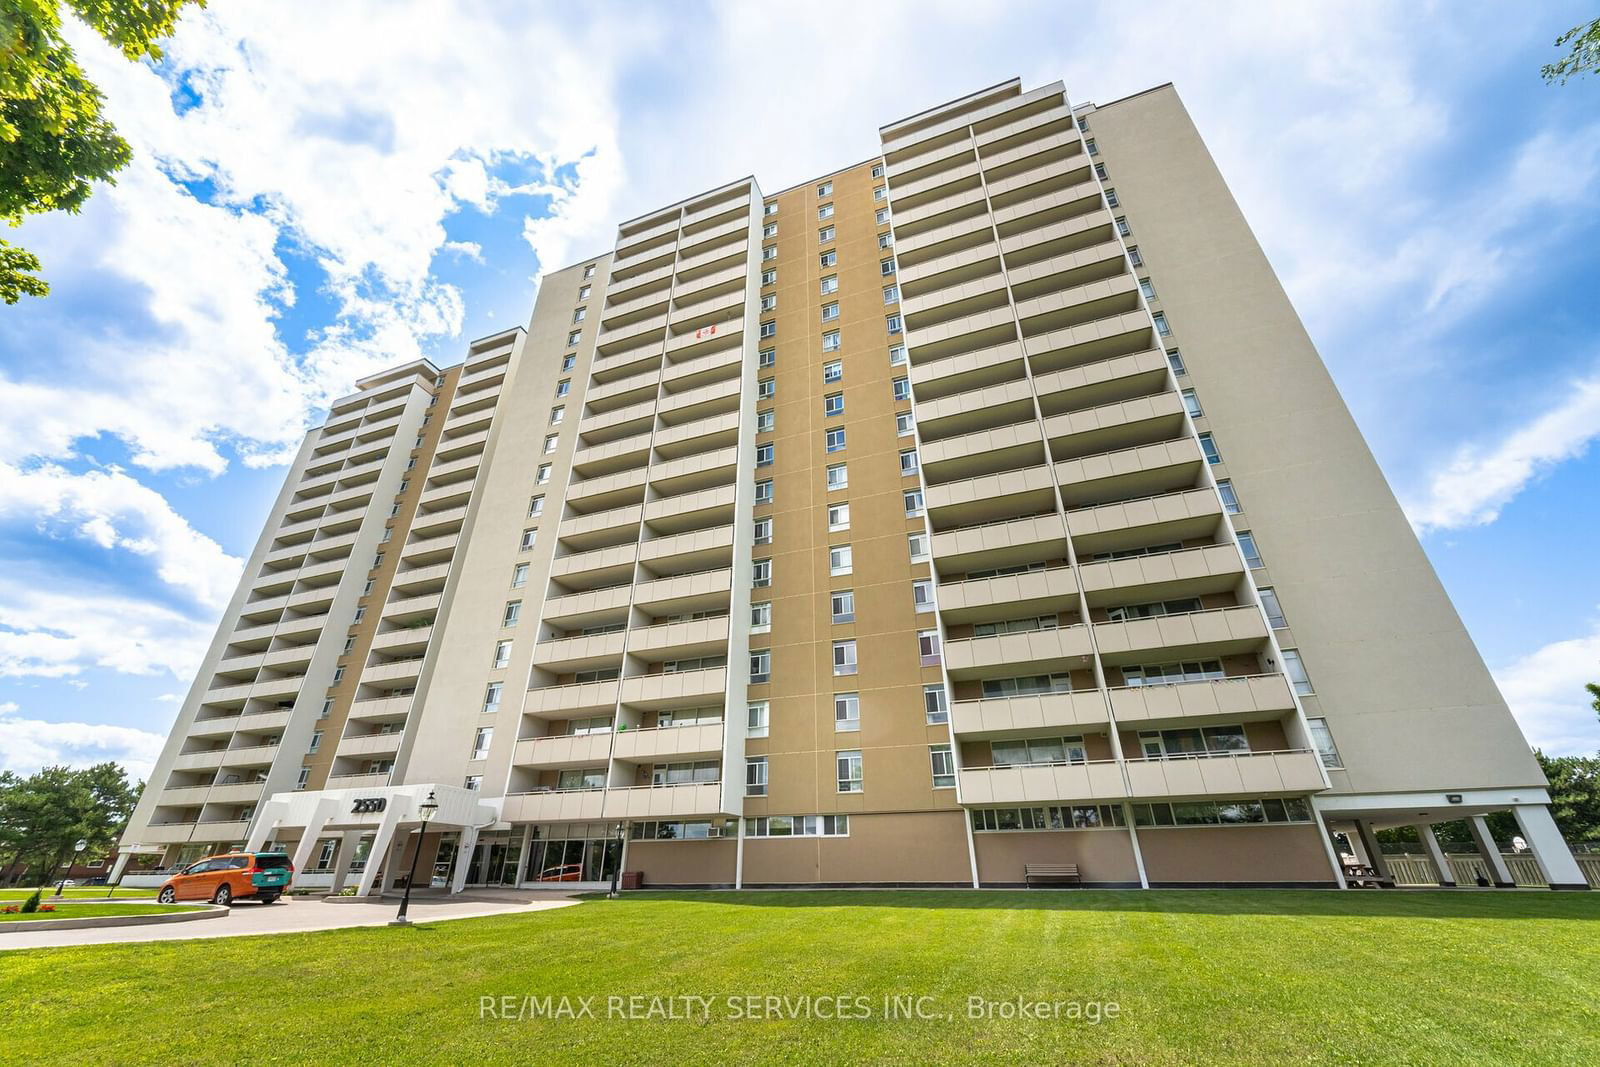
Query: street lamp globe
428, 808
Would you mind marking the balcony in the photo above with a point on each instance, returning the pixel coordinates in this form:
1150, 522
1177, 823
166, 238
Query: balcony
411, 608
598, 568
713, 366
1192, 635
601, 528
358, 781
259, 721
612, 425
608, 491
1243, 699
622, 392
456, 471
235, 793
370, 745
934, 378
1144, 470
1006, 543
285, 688
410, 640
421, 579
1116, 426
1118, 334
555, 805
572, 701
295, 658
563, 750
705, 591
442, 497
684, 689
465, 445
679, 640
698, 403
430, 550
992, 451
691, 511
198, 761
664, 801
400, 674
612, 457
215, 726
1033, 652
1178, 516
984, 408
695, 473
567, 655
380, 709
699, 435
1294, 771
968, 333
699, 741
991, 498
439, 523
1045, 592
253, 756
1050, 783
1188, 572
588, 608
686, 553
1035, 714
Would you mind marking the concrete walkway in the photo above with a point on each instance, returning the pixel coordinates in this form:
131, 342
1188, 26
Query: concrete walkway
299, 915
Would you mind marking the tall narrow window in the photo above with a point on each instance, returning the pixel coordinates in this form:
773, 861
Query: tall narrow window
491, 696
936, 703
1322, 737
1274, 610
850, 776
1230, 499
1208, 445
755, 767
844, 657
846, 712
944, 766
1162, 328
1191, 404
1247, 546
1294, 669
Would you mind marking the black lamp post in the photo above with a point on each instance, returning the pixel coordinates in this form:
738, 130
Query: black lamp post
77, 847
425, 811
616, 868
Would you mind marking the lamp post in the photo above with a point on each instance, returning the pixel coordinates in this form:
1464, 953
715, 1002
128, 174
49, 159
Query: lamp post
616, 869
77, 848
425, 811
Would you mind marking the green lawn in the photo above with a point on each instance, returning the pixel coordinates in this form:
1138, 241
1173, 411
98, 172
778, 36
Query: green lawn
1244, 977
76, 893
90, 911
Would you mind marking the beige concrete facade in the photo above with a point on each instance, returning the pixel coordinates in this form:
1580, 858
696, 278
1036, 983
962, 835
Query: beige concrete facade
977, 505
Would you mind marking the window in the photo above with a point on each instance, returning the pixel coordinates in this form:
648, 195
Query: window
765, 454
1191, 403
316, 742
913, 501
528, 538
849, 764
480, 742
763, 532
519, 575
764, 491
843, 604
765, 421
542, 475
767, 388
828, 258
879, 192
908, 461
886, 239
830, 285
551, 442
473, 782
833, 439
1208, 445
928, 647
767, 357
761, 617
833, 404
838, 517
1322, 738
502, 654
535, 507
580, 314
892, 323
824, 211
846, 712
327, 708
1230, 499
588, 272
1208, 670
1175, 361
755, 767
830, 312
886, 266
1247, 546
769, 253
832, 371
795, 826
367, 589
918, 543
338, 675
1161, 324
1035, 751
882, 216
349, 643
825, 189
574, 337
1111, 198
377, 561
512, 613
905, 424
1100, 171
897, 356
902, 388
761, 573
1152, 610
564, 387
769, 230
1165, 744
825, 234
769, 276
491, 695
583, 292
891, 294
840, 560
769, 209
936, 703
1274, 610
944, 766
769, 302
761, 666
844, 657
922, 594
305, 775
755, 720
877, 170
830, 341
1134, 258
1122, 226
768, 329
1295, 669
568, 361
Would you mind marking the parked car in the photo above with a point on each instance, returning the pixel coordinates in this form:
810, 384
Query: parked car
263, 876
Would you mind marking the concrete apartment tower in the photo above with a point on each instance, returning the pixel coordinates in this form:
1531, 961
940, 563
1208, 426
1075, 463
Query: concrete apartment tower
981, 505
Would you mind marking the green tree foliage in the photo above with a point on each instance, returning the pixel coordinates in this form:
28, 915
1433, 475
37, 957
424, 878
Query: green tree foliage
1574, 803
1584, 57
43, 815
55, 141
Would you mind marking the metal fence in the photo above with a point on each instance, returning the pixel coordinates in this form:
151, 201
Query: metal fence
1409, 869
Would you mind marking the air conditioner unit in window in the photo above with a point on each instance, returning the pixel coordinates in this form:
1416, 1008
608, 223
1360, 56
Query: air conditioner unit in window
715, 831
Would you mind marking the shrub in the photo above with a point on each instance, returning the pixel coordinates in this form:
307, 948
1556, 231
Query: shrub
31, 905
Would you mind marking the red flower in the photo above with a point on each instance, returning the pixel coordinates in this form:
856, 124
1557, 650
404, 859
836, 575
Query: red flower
47, 907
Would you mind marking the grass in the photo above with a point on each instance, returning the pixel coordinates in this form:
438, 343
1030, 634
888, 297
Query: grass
91, 911
86, 892
1218, 977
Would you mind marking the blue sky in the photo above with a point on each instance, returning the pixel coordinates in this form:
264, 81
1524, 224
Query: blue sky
310, 201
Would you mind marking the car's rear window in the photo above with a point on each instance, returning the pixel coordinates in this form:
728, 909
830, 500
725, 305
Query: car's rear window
271, 860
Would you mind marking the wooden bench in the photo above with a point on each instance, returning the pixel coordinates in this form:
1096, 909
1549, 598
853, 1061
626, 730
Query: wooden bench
1051, 874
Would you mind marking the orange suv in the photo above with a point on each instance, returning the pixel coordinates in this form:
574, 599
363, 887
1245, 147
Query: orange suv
263, 876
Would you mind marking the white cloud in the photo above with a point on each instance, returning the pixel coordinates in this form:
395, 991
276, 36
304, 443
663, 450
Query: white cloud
1546, 692
27, 744
55, 633
1479, 481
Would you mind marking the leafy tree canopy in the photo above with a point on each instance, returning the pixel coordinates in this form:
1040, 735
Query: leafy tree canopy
1584, 57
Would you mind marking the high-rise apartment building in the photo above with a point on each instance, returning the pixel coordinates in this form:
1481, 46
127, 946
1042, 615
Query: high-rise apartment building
980, 506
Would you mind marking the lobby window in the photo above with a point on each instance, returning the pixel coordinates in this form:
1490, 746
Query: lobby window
764, 491
765, 421
1208, 445
830, 341
846, 712
840, 560
1162, 327
528, 538
922, 594
902, 388
491, 695
512, 613
1274, 610
838, 517
1191, 404
849, 765
833, 404
761, 666
842, 603
763, 531
833, 371
830, 312
1230, 499
1294, 669
761, 573
755, 767
830, 285
1247, 545
765, 454
756, 718
828, 258
502, 654
480, 742
944, 766
833, 439
918, 543
844, 657
928, 647
905, 424
913, 502
1322, 738
892, 324
936, 704
761, 617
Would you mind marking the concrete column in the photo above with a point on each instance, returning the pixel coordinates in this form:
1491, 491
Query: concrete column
308, 838
379, 852
118, 867
394, 866
264, 823
341, 859
1550, 849
1499, 873
1369, 845
1441, 863
469, 842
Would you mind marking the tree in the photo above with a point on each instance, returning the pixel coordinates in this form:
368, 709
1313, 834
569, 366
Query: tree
1584, 58
1574, 795
1594, 691
43, 816
54, 139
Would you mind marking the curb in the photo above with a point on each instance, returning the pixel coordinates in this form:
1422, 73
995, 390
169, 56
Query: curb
96, 922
